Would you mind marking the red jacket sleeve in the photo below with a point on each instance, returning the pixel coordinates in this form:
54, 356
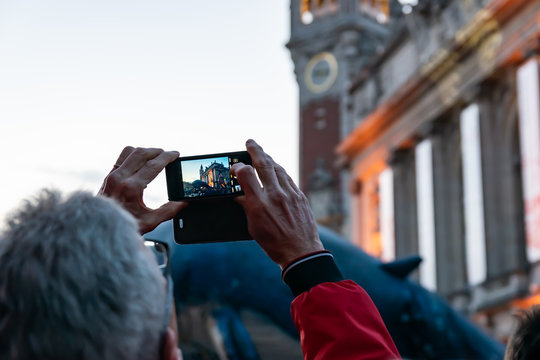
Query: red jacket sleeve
338, 320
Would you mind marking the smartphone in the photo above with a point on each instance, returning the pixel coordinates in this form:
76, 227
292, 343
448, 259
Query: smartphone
204, 177
211, 221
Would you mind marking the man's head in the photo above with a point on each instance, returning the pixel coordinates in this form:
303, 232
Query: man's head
76, 282
525, 342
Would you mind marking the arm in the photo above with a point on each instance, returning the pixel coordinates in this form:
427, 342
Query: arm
336, 319
327, 308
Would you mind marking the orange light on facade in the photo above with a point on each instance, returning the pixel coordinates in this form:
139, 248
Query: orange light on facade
385, 7
527, 302
304, 6
312, 9
379, 9
365, 134
373, 241
374, 245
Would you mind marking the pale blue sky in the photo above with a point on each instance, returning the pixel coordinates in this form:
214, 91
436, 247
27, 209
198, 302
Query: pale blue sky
81, 79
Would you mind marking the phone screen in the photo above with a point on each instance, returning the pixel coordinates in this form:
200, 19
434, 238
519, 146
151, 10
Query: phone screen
204, 176
208, 177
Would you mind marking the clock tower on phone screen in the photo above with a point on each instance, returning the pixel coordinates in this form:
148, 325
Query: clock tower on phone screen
330, 41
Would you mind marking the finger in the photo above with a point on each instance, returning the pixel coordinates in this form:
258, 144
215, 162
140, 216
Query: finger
284, 179
247, 179
123, 155
153, 167
294, 186
264, 165
169, 210
136, 160
165, 212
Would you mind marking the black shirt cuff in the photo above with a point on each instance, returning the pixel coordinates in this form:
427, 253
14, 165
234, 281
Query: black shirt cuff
310, 271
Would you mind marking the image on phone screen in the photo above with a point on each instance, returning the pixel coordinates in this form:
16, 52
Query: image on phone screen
208, 177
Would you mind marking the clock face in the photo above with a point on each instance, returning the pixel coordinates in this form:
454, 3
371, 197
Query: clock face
321, 72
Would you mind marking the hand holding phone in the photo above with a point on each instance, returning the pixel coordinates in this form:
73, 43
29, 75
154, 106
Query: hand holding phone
278, 213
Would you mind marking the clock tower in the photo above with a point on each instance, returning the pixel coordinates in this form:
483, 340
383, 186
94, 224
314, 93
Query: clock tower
330, 42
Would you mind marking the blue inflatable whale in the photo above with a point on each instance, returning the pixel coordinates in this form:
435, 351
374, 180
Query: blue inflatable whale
239, 275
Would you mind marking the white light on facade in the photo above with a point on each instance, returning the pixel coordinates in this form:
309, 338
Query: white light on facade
386, 209
529, 119
407, 9
382, 18
426, 214
408, 2
307, 17
407, 5
475, 238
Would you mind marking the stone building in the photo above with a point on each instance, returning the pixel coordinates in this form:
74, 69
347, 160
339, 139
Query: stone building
215, 175
330, 42
437, 116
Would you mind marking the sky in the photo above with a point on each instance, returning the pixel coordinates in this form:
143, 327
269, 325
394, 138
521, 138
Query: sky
79, 80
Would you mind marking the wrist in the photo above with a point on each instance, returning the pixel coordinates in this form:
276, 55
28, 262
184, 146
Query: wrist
298, 250
311, 270
303, 258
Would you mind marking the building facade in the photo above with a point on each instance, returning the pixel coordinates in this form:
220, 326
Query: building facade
443, 152
216, 175
330, 42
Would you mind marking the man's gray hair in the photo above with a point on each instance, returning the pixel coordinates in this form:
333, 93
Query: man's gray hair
76, 282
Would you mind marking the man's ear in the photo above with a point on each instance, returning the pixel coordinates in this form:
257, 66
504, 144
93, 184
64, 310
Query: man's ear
170, 349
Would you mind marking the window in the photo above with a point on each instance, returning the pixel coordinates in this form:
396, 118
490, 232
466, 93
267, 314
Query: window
312, 9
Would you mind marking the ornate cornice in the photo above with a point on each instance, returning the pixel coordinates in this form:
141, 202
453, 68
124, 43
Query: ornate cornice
491, 39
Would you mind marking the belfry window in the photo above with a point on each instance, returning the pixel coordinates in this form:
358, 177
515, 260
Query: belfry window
314, 9
377, 9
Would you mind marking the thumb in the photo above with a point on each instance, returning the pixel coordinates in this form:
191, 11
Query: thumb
163, 213
247, 179
169, 210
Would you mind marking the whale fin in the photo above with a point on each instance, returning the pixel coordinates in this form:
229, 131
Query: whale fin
403, 267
